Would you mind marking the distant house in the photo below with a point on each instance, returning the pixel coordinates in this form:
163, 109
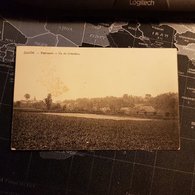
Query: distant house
105, 109
148, 96
95, 108
69, 107
147, 110
26, 103
38, 104
127, 110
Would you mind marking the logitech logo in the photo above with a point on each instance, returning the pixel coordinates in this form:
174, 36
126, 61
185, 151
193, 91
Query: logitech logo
141, 3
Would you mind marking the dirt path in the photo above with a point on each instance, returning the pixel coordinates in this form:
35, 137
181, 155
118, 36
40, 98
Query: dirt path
99, 116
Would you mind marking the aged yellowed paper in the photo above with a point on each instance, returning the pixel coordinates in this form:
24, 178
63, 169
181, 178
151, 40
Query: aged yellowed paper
95, 99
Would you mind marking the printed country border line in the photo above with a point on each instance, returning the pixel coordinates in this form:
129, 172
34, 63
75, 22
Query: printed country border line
138, 28
82, 38
90, 175
162, 168
4, 138
59, 35
153, 172
9, 65
9, 105
28, 166
69, 173
139, 24
48, 31
83, 35
186, 106
42, 34
8, 43
57, 41
12, 60
134, 38
184, 93
101, 44
141, 38
97, 42
2, 31
26, 184
15, 28
28, 37
94, 43
186, 50
184, 30
96, 31
148, 38
133, 169
114, 42
38, 35
177, 43
173, 37
186, 76
3, 92
45, 27
174, 34
32, 37
117, 24
188, 139
188, 29
192, 185
5, 44
186, 37
113, 39
4, 72
165, 24
193, 181
136, 163
111, 172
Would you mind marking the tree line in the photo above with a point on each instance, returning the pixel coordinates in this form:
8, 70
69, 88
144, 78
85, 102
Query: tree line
166, 102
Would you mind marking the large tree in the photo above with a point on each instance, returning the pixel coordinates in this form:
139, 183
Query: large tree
48, 101
167, 102
27, 96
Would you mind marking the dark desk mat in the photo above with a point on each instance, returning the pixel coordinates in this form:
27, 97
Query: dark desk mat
98, 172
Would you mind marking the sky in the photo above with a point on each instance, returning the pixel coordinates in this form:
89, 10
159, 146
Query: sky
71, 73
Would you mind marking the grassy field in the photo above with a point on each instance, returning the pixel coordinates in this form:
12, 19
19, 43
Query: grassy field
33, 131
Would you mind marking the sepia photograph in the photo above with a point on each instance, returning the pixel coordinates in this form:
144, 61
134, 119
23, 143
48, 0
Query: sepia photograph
95, 99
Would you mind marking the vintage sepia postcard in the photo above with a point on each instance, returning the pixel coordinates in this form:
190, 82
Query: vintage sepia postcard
95, 99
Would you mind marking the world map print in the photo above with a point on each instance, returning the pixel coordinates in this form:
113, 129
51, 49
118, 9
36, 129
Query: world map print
98, 172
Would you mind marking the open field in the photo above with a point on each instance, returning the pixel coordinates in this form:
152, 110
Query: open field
35, 131
98, 116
